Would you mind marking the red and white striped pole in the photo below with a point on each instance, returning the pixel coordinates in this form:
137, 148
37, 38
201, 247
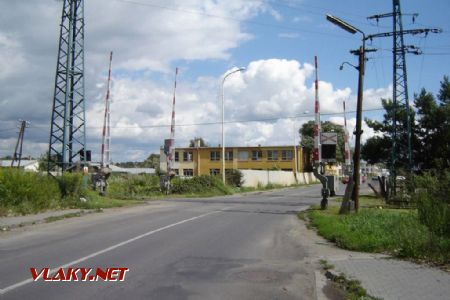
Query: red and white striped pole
316, 153
347, 153
171, 158
106, 136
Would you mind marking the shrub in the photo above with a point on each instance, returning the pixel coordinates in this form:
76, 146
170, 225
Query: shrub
131, 186
24, 192
234, 177
71, 185
203, 184
432, 198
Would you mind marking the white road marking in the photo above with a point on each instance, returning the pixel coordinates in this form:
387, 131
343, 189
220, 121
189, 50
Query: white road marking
29, 280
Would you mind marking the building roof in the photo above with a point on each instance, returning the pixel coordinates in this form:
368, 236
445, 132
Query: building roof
23, 162
116, 169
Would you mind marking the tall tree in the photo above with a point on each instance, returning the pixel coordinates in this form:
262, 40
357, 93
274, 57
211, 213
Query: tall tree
434, 123
152, 161
430, 133
197, 141
381, 145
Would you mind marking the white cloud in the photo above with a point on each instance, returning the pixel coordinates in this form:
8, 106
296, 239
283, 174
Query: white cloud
146, 40
11, 56
156, 34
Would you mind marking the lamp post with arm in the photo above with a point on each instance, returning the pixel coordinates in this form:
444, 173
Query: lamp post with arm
361, 52
223, 117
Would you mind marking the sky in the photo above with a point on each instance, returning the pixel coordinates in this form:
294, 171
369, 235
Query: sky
265, 104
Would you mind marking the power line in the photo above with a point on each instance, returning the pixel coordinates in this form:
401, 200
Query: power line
196, 12
8, 129
299, 116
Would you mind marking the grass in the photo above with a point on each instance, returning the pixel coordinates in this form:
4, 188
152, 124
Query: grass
24, 193
65, 216
352, 288
95, 201
393, 231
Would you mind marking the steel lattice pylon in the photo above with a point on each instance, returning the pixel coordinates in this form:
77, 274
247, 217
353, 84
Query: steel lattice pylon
401, 155
67, 129
400, 98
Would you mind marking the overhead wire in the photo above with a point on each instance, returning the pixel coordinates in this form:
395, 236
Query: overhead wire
226, 122
171, 8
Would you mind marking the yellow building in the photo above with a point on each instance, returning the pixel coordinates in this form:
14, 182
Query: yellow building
207, 160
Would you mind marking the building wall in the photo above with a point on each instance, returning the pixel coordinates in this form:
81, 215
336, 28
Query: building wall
202, 164
253, 178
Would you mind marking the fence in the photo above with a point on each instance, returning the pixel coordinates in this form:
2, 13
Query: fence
263, 177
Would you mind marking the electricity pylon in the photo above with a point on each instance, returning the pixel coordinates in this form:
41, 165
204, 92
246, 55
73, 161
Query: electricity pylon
67, 129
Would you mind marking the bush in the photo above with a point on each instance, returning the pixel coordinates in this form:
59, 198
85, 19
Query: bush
433, 204
71, 185
23, 192
234, 178
132, 186
203, 184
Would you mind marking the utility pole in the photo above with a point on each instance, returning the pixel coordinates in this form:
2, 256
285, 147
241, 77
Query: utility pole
67, 126
171, 156
17, 157
361, 52
319, 166
106, 136
400, 96
347, 151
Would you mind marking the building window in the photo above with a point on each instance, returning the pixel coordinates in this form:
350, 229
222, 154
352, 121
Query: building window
177, 156
214, 171
187, 156
229, 155
177, 172
256, 155
188, 172
215, 155
286, 155
243, 155
272, 154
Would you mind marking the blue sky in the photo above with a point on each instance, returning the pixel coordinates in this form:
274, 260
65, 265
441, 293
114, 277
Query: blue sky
276, 40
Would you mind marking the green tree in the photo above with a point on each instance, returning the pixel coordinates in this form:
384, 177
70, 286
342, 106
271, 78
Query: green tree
152, 161
378, 149
430, 133
197, 141
434, 124
307, 136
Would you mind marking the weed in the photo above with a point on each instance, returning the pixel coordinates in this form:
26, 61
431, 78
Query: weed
398, 232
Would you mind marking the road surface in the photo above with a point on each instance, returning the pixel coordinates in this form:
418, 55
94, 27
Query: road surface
234, 247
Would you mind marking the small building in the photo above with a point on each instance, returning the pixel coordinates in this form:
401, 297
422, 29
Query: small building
121, 170
29, 165
134, 171
194, 161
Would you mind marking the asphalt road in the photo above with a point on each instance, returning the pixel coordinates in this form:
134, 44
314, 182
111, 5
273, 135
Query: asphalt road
236, 247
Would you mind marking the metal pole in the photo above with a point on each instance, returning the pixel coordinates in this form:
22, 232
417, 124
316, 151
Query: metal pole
223, 118
106, 122
358, 130
223, 135
295, 153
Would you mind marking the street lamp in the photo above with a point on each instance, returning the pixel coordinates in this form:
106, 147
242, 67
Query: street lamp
362, 59
223, 117
341, 67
